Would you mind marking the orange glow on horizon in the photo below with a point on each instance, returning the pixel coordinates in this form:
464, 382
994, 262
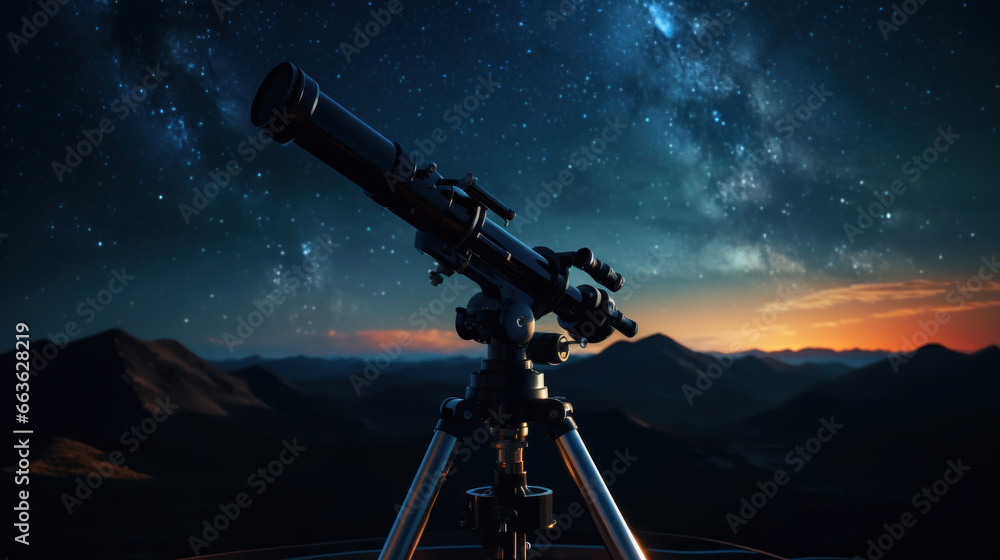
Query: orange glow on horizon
434, 341
892, 316
887, 316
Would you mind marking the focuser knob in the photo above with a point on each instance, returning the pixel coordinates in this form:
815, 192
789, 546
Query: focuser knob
551, 348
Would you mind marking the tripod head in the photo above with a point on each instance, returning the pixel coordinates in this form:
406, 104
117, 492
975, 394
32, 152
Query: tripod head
519, 284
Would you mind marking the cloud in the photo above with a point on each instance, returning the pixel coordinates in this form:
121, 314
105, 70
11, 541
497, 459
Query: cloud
870, 294
837, 323
909, 311
319, 342
381, 340
901, 312
893, 300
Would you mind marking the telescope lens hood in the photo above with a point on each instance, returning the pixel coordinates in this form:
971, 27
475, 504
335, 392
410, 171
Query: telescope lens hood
286, 94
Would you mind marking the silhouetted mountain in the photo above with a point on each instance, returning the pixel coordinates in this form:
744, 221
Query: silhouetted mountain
655, 378
851, 358
406, 394
299, 367
101, 387
648, 376
933, 380
832, 368
667, 384
305, 368
689, 465
238, 363
905, 421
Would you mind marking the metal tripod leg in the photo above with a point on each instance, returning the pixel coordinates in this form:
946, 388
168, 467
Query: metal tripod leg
614, 530
412, 517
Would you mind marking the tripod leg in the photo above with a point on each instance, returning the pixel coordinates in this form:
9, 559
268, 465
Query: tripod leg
412, 517
612, 526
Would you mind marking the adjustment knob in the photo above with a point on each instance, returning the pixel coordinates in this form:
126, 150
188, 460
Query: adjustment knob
517, 322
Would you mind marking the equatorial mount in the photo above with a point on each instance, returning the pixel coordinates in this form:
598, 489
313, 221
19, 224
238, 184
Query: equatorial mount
507, 394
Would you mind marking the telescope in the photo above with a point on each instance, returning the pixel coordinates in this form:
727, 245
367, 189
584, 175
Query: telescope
519, 285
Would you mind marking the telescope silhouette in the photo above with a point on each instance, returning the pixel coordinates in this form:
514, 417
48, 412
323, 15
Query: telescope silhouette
518, 286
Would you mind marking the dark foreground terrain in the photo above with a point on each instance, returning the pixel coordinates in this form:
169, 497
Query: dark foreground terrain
140, 445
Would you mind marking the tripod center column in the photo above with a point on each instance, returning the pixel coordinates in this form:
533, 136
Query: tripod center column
510, 441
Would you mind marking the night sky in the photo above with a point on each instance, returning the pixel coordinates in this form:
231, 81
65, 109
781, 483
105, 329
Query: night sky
765, 175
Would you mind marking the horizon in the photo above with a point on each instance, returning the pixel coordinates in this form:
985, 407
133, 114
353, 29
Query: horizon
467, 353
751, 196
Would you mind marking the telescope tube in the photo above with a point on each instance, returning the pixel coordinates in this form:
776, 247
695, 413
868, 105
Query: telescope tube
452, 226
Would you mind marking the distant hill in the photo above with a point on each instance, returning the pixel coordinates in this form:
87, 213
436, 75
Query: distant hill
100, 386
849, 358
668, 384
308, 367
697, 455
934, 381
297, 367
646, 375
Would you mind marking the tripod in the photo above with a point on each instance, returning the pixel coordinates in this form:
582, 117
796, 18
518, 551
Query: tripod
505, 395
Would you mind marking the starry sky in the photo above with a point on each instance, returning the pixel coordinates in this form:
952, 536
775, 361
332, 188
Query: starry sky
765, 174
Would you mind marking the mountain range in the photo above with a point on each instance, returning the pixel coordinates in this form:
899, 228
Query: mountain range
708, 433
